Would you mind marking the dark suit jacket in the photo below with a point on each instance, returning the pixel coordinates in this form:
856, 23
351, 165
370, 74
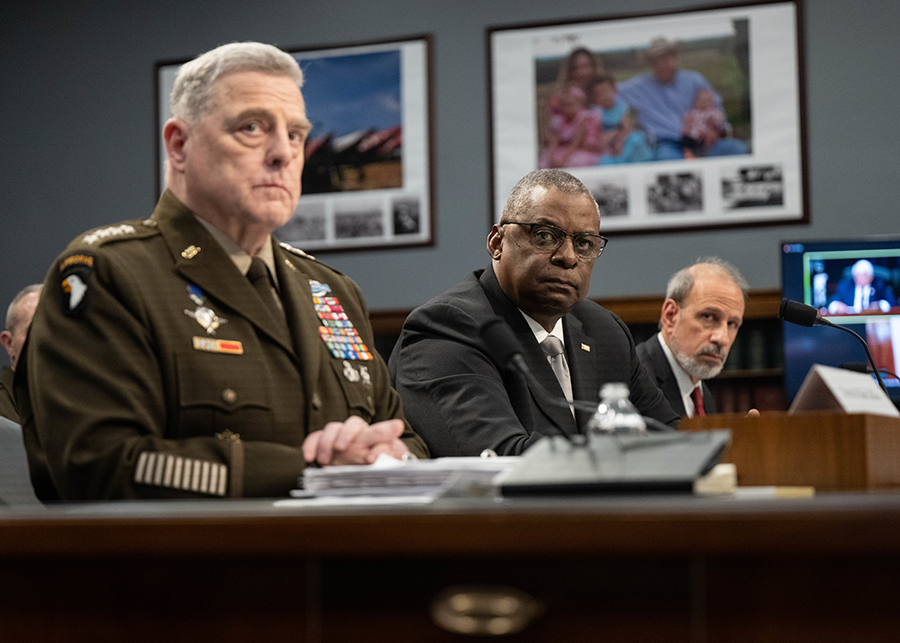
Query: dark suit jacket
846, 292
461, 401
654, 360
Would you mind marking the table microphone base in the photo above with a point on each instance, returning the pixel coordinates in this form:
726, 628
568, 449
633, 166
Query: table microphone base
647, 463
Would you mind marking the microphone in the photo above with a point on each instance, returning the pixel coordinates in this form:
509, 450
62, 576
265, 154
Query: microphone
796, 313
504, 347
801, 314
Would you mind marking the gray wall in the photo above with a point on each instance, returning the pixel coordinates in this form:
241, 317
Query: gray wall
78, 135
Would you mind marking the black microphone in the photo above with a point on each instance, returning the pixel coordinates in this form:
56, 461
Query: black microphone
504, 347
803, 315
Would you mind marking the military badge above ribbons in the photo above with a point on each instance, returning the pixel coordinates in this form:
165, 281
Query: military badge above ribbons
74, 272
337, 331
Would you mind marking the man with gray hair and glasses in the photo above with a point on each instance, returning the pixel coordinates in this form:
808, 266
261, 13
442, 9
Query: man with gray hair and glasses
457, 395
187, 354
700, 318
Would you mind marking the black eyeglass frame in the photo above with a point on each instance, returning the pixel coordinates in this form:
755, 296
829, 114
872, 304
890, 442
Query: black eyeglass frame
561, 234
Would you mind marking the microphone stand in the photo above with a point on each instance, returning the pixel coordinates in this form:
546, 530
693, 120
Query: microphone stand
803, 315
868, 353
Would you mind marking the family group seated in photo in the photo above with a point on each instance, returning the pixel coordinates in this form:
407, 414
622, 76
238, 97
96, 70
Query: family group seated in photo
664, 114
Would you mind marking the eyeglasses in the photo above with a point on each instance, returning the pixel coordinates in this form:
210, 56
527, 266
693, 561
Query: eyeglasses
548, 237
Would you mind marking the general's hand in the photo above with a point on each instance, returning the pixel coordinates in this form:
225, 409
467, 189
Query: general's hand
354, 442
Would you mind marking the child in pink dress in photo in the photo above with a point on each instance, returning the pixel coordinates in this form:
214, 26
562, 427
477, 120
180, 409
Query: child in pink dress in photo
574, 134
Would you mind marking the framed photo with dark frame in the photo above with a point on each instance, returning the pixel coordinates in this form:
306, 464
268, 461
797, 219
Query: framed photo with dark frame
368, 174
689, 119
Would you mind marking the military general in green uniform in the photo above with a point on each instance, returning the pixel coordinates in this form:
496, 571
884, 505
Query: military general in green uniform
187, 353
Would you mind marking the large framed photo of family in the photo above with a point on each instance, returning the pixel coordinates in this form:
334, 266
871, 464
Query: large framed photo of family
367, 179
684, 120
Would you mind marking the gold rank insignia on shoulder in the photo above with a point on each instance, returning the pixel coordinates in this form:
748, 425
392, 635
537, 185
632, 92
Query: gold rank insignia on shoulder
228, 346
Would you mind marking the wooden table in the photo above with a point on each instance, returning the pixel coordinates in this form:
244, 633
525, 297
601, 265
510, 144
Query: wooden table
602, 569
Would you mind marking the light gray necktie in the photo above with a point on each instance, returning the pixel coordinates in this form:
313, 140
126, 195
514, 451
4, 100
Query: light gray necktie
557, 354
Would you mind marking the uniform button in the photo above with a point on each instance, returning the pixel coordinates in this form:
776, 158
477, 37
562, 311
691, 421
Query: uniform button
229, 396
316, 401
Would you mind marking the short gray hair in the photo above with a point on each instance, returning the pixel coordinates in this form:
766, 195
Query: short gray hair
195, 84
682, 282
13, 316
520, 197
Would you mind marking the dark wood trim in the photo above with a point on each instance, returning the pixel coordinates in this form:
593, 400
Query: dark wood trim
761, 304
388, 322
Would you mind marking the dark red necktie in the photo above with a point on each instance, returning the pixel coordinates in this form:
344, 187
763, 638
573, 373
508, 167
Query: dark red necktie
697, 396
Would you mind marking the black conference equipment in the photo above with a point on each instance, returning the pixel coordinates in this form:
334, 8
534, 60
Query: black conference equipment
659, 461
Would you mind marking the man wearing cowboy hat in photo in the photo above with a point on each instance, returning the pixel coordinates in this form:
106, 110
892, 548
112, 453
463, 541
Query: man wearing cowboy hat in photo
662, 98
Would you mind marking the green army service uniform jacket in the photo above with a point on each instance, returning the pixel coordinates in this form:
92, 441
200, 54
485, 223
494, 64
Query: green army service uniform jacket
154, 369
7, 401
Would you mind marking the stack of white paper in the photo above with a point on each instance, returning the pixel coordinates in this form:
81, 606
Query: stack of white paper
391, 477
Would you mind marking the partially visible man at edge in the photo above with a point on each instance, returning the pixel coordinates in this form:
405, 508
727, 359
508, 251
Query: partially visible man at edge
457, 396
18, 320
184, 355
700, 319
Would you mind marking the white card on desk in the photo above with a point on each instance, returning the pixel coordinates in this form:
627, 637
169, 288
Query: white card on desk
836, 389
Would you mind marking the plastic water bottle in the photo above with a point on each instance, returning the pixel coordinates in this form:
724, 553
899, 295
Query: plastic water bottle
616, 413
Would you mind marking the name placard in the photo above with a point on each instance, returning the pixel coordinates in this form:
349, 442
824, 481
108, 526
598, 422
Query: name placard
836, 389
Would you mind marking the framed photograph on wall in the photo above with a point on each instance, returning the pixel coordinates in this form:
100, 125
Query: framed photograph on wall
368, 177
684, 120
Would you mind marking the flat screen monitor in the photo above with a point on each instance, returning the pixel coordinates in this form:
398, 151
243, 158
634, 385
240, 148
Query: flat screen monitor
853, 282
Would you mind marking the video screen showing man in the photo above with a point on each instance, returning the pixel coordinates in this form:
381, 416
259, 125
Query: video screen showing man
457, 395
862, 291
187, 354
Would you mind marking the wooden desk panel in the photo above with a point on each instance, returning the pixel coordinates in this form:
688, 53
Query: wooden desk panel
830, 451
611, 569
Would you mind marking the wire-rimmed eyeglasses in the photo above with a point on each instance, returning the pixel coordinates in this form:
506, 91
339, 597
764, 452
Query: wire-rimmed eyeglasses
548, 237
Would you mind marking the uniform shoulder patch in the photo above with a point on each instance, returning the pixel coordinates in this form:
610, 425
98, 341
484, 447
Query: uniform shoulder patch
74, 271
